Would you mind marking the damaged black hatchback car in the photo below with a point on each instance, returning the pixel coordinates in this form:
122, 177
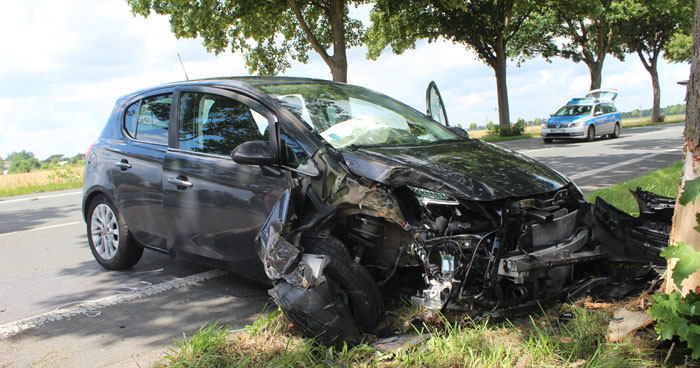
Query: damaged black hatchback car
336, 195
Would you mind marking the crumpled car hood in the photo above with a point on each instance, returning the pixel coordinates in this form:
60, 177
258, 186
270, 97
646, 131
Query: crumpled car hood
470, 169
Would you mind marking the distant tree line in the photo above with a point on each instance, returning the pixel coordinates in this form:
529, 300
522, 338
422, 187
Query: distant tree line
25, 161
668, 110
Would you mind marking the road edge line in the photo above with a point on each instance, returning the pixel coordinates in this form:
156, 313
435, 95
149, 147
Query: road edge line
91, 307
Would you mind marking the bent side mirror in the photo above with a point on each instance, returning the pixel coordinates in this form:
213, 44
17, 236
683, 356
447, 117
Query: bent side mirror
253, 153
459, 132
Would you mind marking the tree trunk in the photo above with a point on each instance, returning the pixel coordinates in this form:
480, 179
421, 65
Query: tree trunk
657, 93
684, 216
651, 67
339, 70
596, 71
501, 84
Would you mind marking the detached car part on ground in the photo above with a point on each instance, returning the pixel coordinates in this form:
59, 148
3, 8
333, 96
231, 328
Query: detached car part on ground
363, 198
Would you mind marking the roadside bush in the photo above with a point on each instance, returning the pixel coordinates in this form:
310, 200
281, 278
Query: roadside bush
507, 131
661, 118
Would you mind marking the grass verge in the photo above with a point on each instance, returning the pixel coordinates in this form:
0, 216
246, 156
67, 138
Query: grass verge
663, 182
568, 335
41, 181
642, 122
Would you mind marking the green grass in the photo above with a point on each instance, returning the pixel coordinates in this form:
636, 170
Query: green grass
664, 181
545, 340
29, 189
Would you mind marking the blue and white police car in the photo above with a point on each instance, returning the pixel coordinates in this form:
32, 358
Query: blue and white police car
585, 118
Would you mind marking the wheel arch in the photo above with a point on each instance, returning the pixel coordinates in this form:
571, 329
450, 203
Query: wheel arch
90, 196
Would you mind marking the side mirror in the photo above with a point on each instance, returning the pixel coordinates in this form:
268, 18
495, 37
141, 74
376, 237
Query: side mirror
551, 115
253, 153
459, 131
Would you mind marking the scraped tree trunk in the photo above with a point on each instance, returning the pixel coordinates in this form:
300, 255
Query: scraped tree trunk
684, 219
499, 68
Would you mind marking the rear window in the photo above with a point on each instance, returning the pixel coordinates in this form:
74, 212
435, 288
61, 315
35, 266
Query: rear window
152, 121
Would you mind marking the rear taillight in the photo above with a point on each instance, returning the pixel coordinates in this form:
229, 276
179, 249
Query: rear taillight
87, 153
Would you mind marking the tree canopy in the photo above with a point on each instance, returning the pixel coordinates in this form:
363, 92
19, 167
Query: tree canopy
495, 29
269, 32
589, 30
651, 26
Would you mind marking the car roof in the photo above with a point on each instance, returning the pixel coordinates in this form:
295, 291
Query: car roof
239, 82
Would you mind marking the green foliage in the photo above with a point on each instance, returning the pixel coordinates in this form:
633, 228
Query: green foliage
586, 31
508, 130
691, 190
675, 314
495, 29
23, 161
472, 126
268, 32
688, 261
680, 48
653, 24
668, 110
64, 175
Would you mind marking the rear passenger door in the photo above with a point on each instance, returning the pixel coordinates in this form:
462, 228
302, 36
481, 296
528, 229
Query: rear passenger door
136, 165
215, 207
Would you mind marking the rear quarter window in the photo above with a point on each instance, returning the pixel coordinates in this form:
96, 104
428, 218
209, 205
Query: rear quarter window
148, 120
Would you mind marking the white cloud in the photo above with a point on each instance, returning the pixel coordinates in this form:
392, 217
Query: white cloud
64, 63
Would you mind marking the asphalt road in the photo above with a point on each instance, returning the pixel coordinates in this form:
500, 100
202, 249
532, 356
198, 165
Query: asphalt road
58, 307
604, 162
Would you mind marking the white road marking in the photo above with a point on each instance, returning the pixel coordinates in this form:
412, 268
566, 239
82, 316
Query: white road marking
623, 163
91, 308
39, 197
43, 227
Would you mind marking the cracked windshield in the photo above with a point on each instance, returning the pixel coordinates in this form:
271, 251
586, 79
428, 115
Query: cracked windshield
349, 116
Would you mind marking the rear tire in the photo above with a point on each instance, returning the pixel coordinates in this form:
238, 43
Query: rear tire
365, 300
548, 140
616, 131
109, 238
590, 135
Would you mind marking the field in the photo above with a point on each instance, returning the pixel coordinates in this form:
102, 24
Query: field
41, 181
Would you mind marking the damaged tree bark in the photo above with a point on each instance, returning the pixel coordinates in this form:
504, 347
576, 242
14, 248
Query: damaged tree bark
684, 218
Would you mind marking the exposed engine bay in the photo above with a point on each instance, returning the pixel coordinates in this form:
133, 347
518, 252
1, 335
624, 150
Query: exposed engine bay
485, 257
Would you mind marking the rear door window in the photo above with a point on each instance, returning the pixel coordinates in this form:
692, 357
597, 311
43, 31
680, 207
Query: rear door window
216, 124
154, 119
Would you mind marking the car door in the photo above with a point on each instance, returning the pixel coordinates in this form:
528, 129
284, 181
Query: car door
215, 207
435, 108
137, 161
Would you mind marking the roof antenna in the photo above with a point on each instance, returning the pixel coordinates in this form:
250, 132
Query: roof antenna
183, 66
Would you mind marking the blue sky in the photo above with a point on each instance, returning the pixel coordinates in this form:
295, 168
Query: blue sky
65, 62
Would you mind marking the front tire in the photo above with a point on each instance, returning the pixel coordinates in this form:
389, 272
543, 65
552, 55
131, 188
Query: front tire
364, 298
590, 135
548, 140
109, 238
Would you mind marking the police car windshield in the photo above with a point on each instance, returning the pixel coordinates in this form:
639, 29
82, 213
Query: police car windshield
574, 110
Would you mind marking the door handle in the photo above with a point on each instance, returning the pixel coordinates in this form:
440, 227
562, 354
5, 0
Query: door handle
180, 183
123, 165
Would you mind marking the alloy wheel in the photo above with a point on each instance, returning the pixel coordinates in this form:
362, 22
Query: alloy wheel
104, 230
